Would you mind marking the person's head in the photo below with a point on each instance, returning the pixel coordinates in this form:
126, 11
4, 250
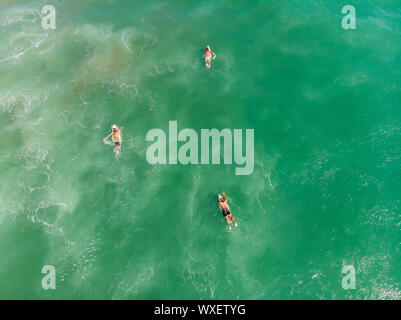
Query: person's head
207, 48
114, 127
220, 198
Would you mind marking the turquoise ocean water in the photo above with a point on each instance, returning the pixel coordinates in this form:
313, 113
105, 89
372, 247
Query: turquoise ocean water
325, 191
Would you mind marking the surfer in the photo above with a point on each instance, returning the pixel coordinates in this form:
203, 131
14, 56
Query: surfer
225, 210
116, 133
208, 56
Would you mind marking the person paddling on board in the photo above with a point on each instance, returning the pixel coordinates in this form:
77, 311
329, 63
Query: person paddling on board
116, 138
224, 209
208, 56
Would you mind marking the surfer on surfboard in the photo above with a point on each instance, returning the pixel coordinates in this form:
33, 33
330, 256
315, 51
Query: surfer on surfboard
225, 210
116, 133
208, 56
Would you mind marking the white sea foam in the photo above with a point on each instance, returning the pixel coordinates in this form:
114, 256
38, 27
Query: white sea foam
25, 43
20, 15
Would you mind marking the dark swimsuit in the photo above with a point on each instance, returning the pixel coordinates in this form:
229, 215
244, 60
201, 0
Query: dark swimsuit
225, 212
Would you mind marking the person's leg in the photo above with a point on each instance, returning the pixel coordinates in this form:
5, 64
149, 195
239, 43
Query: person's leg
228, 222
116, 147
207, 62
232, 218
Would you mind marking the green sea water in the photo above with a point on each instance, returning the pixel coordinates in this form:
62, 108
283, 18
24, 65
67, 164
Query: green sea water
325, 106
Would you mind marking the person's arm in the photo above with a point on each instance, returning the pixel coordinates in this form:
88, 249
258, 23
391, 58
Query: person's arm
108, 136
224, 194
213, 54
